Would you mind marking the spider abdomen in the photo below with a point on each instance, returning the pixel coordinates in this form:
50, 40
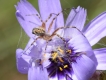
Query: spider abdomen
38, 31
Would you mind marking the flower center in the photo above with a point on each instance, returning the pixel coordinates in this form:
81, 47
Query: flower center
61, 60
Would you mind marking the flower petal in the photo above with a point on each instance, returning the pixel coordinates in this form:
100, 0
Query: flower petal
77, 18
54, 78
24, 56
24, 8
62, 78
95, 30
37, 73
28, 47
77, 41
84, 68
33, 47
47, 7
66, 76
74, 77
22, 62
101, 58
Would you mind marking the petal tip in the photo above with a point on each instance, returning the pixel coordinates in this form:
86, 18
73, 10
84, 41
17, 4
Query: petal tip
19, 15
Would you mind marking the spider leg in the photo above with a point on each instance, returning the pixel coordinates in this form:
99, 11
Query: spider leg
77, 29
54, 33
36, 15
31, 44
46, 45
60, 37
49, 17
43, 23
50, 26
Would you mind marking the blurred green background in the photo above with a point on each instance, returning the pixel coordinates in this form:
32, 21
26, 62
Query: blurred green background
10, 31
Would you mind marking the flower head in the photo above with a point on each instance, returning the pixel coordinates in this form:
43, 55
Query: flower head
68, 56
67, 61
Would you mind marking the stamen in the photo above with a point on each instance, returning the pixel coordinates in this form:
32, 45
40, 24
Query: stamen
60, 50
60, 68
54, 55
65, 66
60, 59
68, 51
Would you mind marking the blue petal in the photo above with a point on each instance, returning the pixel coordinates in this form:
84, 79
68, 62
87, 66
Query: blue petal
84, 68
54, 78
101, 58
24, 8
22, 62
96, 29
37, 73
62, 77
35, 48
74, 77
23, 57
47, 7
77, 40
77, 18
28, 47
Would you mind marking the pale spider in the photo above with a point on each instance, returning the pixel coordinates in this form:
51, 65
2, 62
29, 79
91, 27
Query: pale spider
41, 31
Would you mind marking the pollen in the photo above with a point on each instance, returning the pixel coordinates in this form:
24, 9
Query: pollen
54, 55
65, 66
68, 51
60, 50
60, 68
60, 59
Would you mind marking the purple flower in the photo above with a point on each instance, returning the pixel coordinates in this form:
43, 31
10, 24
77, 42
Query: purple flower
63, 60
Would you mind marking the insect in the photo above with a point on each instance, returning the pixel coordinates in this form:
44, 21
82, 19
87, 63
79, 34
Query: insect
43, 34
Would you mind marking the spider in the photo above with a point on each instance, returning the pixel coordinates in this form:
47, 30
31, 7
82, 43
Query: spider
41, 31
